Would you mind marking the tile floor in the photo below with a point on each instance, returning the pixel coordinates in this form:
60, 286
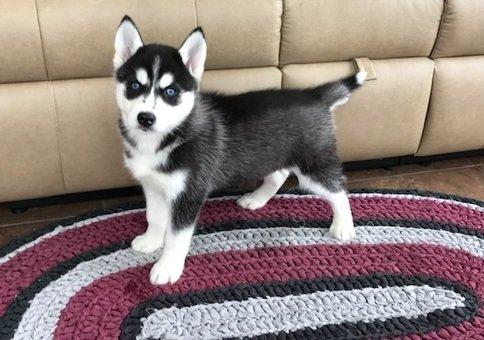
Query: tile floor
464, 177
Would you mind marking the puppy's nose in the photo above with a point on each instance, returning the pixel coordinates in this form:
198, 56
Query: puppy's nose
146, 119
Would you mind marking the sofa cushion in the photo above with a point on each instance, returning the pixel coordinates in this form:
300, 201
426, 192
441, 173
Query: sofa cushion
90, 145
331, 30
29, 152
385, 117
455, 121
241, 80
240, 33
462, 29
21, 56
78, 36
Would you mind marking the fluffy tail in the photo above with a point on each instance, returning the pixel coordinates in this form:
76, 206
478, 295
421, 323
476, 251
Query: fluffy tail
338, 92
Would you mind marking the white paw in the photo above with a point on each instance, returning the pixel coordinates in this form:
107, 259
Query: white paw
146, 243
342, 231
251, 201
166, 270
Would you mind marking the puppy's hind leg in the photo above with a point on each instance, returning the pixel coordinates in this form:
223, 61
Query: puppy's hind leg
328, 185
264, 193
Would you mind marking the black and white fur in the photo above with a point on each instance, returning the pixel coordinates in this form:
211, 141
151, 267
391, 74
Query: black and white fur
181, 147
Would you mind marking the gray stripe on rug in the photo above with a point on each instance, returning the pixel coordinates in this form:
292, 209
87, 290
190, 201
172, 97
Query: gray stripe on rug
61, 229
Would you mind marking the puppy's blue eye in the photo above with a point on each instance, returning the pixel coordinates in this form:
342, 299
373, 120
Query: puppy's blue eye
170, 92
135, 85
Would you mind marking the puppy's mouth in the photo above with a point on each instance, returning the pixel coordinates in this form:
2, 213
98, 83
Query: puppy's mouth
145, 129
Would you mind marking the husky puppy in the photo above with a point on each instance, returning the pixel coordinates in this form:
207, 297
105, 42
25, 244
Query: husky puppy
181, 144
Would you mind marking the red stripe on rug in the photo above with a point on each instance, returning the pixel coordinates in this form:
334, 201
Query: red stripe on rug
30, 264
101, 307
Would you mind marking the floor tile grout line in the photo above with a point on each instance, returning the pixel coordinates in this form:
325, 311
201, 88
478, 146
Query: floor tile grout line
47, 221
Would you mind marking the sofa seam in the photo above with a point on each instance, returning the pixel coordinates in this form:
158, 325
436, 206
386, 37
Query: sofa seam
429, 103
279, 66
58, 133
245, 68
56, 114
110, 76
439, 30
196, 12
41, 40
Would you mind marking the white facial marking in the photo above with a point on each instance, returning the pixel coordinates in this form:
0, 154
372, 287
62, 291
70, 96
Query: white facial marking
142, 76
122, 101
150, 101
156, 66
166, 80
169, 117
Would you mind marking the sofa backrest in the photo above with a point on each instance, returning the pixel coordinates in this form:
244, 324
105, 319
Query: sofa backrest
57, 109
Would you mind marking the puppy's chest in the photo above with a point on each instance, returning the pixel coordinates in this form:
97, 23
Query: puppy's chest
147, 167
143, 165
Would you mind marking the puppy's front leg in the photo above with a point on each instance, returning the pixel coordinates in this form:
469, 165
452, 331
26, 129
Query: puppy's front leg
178, 236
169, 267
157, 215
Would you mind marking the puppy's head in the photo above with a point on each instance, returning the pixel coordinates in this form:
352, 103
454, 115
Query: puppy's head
156, 84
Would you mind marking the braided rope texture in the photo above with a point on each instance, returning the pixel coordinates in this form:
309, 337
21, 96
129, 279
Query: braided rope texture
414, 270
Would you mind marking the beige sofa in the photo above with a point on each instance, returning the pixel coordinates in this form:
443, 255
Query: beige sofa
58, 116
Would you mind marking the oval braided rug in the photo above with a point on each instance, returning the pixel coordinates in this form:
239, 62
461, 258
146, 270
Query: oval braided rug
415, 268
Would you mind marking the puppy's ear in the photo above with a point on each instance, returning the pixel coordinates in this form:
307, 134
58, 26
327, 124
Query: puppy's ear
127, 42
194, 52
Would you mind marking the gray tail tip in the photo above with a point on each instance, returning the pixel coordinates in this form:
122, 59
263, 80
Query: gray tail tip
361, 77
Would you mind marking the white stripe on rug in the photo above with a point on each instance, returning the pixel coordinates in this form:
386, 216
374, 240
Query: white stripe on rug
261, 315
41, 318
